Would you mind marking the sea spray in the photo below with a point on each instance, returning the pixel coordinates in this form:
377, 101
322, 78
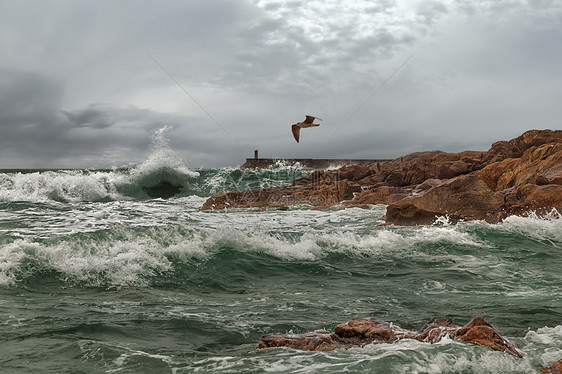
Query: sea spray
163, 167
234, 178
58, 186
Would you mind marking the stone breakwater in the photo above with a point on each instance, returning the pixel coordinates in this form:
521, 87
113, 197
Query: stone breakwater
516, 177
312, 163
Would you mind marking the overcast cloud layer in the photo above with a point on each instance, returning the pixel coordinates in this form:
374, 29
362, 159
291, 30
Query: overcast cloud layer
79, 88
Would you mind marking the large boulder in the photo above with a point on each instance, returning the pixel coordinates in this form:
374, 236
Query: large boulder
528, 199
415, 168
462, 198
515, 147
378, 195
538, 165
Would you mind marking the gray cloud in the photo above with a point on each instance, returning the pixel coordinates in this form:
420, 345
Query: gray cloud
78, 90
37, 133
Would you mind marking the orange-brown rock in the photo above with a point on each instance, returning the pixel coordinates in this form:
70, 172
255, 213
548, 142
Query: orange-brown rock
422, 185
538, 165
528, 199
316, 194
479, 331
379, 195
312, 341
463, 198
416, 168
555, 368
361, 331
515, 148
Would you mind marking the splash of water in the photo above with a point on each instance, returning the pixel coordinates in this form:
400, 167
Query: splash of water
163, 168
162, 156
163, 174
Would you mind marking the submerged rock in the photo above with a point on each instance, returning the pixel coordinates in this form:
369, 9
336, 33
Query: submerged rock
362, 331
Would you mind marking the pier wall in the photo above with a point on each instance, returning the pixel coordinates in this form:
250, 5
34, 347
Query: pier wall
312, 163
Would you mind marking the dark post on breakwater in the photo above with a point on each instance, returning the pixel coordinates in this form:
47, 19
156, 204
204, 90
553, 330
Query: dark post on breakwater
312, 163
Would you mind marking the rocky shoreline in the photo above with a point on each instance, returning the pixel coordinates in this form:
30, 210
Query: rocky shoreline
521, 176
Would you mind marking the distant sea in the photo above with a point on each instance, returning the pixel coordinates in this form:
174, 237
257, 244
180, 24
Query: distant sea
98, 277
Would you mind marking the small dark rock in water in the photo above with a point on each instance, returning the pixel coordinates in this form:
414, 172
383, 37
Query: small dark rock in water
164, 190
362, 331
555, 368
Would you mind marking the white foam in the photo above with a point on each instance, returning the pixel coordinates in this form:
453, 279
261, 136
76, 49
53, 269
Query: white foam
128, 257
122, 259
162, 156
548, 336
233, 178
64, 185
545, 344
11, 260
311, 235
405, 356
144, 239
548, 228
84, 185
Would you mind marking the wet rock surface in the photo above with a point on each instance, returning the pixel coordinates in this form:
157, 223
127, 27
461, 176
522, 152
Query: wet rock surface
516, 177
462, 198
555, 368
362, 331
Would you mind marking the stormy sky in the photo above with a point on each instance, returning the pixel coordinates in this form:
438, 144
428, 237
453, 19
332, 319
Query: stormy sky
87, 83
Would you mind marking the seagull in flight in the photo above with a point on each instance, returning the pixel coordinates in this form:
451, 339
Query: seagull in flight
296, 128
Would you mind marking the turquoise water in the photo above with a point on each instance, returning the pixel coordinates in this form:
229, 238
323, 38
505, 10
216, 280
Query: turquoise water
97, 277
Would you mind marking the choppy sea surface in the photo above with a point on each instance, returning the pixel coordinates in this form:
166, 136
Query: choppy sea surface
98, 277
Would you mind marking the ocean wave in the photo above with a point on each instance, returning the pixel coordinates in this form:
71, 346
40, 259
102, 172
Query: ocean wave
234, 178
162, 170
140, 243
143, 255
63, 185
162, 175
538, 228
117, 258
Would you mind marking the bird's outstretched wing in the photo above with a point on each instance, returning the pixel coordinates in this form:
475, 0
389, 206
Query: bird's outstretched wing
296, 129
310, 119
